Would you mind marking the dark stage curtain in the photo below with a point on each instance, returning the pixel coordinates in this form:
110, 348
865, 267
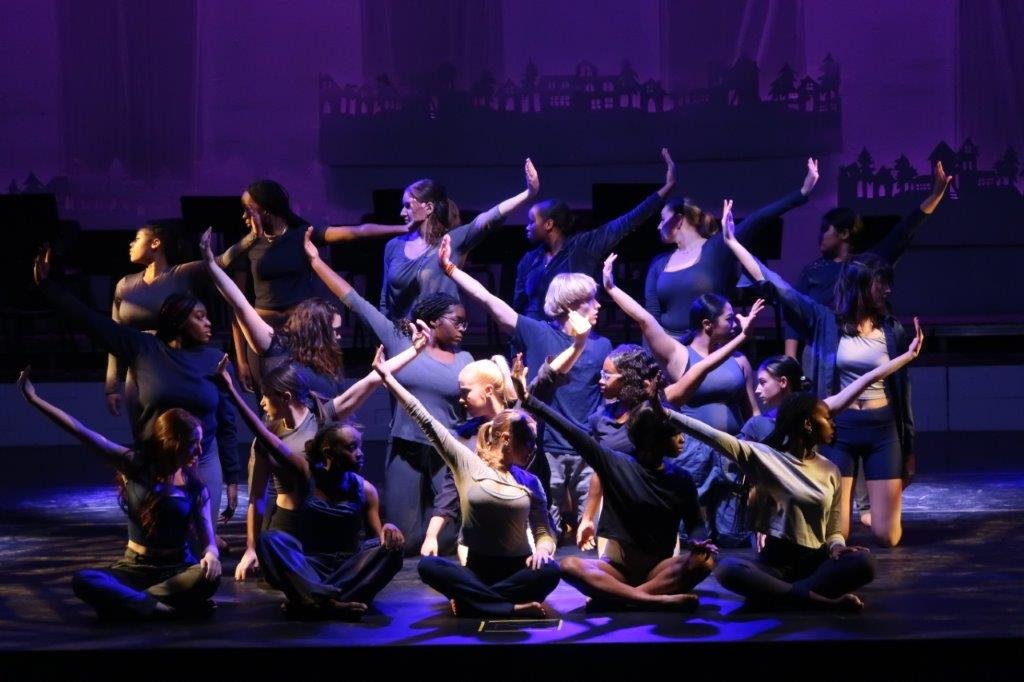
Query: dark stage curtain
128, 86
990, 74
410, 40
699, 38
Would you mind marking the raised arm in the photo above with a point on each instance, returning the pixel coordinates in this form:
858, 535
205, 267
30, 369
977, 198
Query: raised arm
502, 312
120, 340
602, 240
466, 237
457, 456
257, 333
554, 373
666, 349
346, 233
233, 252
355, 395
898, 239
760, 218
592, 452
802, 311
276, 448
113, 452
840, 401
382, 327
682, 389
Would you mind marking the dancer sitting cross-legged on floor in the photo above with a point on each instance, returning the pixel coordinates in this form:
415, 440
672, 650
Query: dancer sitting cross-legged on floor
805, 562
166, 505
319, 562
646, 497
499, 500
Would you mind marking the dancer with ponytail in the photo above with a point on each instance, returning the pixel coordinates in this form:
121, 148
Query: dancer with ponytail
411, 270
500, 503
701, 263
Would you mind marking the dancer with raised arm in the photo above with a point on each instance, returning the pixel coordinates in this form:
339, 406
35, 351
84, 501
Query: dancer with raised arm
166, 505
561, 250
173, 368
855, 336
278, 268
647, 496
805, 563
411, 270
316, 558
569, 292
701, 263
500, 503
417, 485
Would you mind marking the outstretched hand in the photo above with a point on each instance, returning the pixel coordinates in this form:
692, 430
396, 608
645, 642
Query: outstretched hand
223, 372
746, 320
670, 168
915, 344
518, 373
204, 245
41, 265
532, 178
728, 223
812, 177
653, 389
24, 383
608, 271
444, 254
379, 365
420, 334
940, 180
579, 327
312, 253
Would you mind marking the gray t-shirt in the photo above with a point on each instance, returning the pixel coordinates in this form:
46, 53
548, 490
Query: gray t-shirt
434, 383
497, 506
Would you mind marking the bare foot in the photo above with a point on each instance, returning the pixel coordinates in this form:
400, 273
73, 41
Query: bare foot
865, 519
531, 609
344, 610
850, 603
677, 602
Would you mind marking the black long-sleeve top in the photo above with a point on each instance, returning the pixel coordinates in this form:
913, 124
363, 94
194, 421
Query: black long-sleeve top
643, 507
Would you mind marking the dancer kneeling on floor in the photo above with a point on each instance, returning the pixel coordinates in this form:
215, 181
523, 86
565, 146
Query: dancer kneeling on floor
498, 499
319, 562
166, 505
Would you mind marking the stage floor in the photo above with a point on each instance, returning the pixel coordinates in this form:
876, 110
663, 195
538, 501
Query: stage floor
958, 577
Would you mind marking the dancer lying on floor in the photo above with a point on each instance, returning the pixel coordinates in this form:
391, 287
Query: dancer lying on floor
166, 505
646, 498
498, 499
319, 562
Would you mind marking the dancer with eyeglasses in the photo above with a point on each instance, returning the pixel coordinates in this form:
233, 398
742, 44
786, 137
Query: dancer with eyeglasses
417, 485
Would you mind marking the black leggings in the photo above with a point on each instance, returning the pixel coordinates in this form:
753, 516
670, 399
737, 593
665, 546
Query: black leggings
785, 574
490, 586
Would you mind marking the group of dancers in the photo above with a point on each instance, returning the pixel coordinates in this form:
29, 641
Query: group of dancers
655, 454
